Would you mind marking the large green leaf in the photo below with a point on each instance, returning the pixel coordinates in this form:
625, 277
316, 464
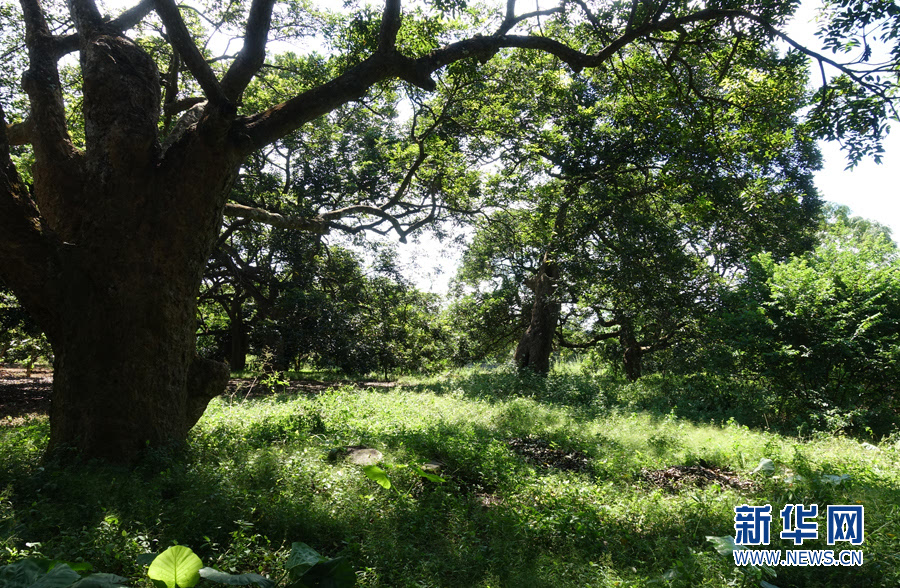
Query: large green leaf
214, 575
78, 566
47, 573
430, 477
377, 474
60, 576
724, 545
101, 581
21, 574
177, 566
302, 558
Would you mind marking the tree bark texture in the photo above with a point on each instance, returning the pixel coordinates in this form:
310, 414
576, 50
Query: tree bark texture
536, 345
107, 248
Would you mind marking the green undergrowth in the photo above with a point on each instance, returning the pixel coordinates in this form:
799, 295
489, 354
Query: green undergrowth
262, 473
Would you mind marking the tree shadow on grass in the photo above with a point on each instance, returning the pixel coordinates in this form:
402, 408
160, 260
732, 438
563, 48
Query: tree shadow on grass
499, 520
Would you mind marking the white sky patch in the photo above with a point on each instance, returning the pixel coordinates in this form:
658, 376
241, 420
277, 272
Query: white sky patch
870, 190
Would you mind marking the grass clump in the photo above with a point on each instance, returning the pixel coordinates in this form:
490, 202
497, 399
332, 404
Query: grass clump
547, 484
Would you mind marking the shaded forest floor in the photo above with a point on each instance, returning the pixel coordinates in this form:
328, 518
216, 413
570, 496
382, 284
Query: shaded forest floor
569, 481
23, 396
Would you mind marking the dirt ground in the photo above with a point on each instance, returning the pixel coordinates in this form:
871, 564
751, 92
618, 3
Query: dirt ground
22, 398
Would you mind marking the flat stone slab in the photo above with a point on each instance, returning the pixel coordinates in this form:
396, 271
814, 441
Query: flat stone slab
364, 456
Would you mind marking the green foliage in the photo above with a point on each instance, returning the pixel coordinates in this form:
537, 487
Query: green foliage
238, 494
324, 310
726, 546
821, 328
865, 34
21, 340
378, 323
646, 184
44, 573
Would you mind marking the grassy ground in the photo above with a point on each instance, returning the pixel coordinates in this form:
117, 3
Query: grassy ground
549, 483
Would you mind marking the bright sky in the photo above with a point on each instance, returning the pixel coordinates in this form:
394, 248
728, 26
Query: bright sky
870, 190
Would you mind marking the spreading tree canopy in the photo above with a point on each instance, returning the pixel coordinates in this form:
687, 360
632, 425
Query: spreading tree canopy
109, 215
647, 186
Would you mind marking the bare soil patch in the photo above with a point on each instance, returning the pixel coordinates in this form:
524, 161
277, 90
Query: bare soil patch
540, 452
676, 478
22, 397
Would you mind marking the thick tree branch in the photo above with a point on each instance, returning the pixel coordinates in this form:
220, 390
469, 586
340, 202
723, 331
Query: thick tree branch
335, 215
171, 91
41, 83
268, 126
27, 254
57, 168
390, 26
20, 133
182, 104
511, 20
253, 54
314, 224
123, 22
86, 16
181, 40
595, 340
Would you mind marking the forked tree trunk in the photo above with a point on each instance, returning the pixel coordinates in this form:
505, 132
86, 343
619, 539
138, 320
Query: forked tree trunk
536, 345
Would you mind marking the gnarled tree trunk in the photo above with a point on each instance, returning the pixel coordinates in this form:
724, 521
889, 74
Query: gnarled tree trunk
126, 373
107, 249
536, 345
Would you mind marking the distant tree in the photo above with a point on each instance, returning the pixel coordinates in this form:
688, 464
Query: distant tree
359, 320
651, 183
821, 327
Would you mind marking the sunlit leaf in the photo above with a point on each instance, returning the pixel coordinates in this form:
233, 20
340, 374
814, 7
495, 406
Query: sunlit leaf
177, 566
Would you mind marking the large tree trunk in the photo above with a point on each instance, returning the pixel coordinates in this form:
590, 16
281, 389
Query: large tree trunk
536, 344
106, 249
126, 374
